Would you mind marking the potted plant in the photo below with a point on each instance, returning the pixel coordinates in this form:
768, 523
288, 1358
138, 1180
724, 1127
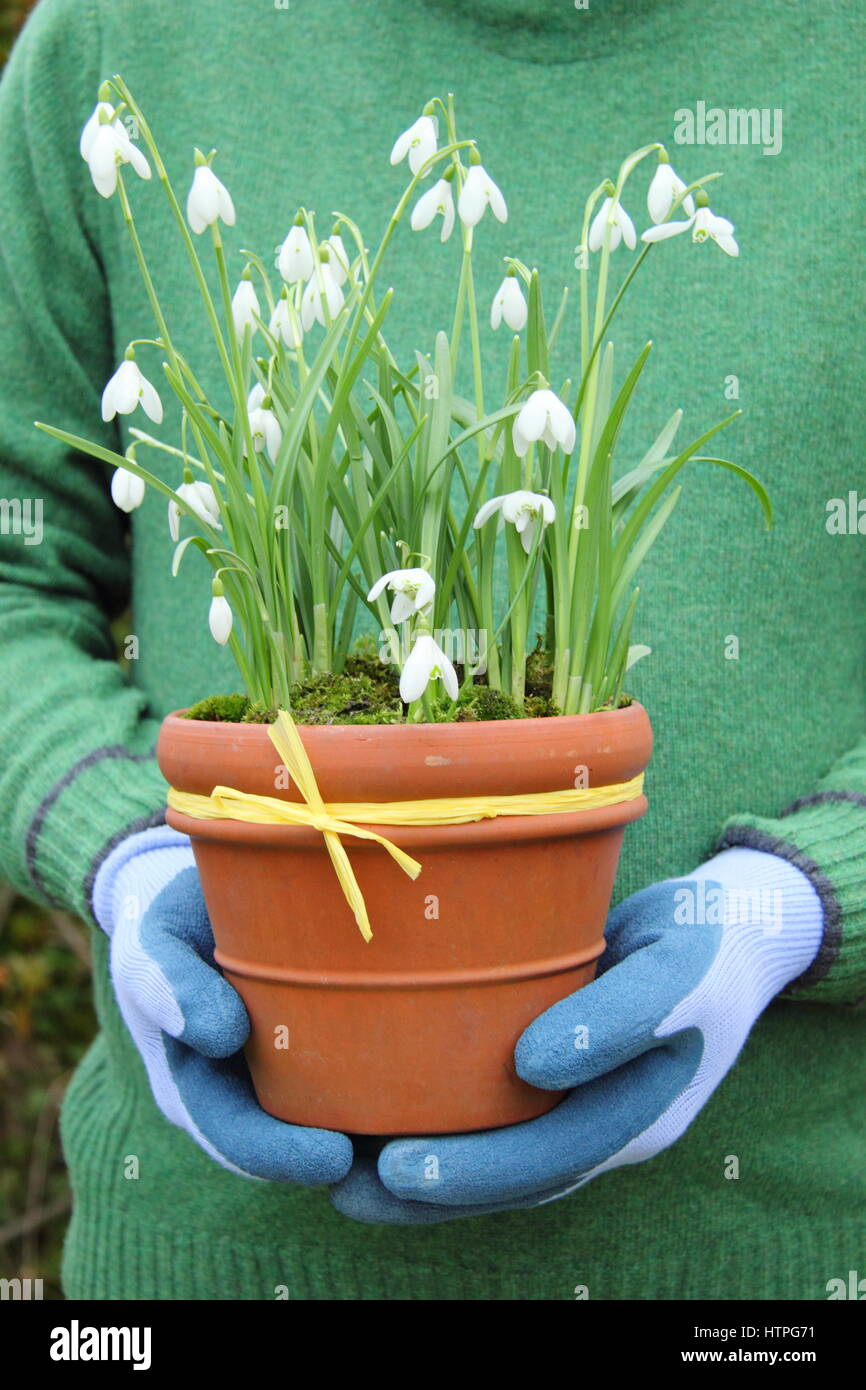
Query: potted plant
458, 780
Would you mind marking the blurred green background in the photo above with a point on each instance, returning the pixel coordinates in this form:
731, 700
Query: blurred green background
12, 16
46, 1022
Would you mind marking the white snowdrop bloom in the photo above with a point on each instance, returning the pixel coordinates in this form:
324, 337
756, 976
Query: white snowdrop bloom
103, 159
245, 307
418, 141
664, 188
622, 227
338, 258
255, 397
295, 261
544, 417
266, 432
130, 152
208, 200
127, 490
426, 662
104, 145
718, 229
220, 619
128, 388
413, 590
437, 201
102, 114
477, 194
286, 324
705, 224
201, 497
321, 291
509, 306
527, 511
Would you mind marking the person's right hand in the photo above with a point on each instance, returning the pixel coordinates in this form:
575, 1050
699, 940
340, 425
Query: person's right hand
187, 1022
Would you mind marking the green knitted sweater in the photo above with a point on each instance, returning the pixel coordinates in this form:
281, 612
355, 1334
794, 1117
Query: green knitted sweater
759, 742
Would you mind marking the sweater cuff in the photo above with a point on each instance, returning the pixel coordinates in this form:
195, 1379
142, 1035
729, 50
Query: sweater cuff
135, 871
107, 795
825, 837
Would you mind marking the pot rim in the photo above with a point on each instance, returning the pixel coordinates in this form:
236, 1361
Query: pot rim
395, 762
464, 729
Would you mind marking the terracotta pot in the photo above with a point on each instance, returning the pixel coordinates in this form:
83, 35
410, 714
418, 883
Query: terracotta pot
413, 1032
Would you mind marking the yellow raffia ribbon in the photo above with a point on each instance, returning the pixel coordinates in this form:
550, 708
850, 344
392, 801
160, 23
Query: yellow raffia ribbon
339, 818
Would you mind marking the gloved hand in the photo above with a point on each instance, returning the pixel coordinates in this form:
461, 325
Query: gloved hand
187, 1022
689, 965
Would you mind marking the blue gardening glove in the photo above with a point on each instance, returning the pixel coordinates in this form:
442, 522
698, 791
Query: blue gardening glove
689, 966
187, 1022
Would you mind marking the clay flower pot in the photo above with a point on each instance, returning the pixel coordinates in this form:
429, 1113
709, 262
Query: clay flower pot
414, 1031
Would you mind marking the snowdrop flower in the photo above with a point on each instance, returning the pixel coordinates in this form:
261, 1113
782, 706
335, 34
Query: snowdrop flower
201, 497
105, 145
509, 304
664, 188
208, 200
437, 201
622, 228
322, 292
265, 430
419, 142
338, 258
220, 616
704, 224
718, 229
413, 590
295, 261
127, 490
255, 397
525, 510
245, 307
477, 193
285, 323
102, 114
426, 662
544, 417
127, 389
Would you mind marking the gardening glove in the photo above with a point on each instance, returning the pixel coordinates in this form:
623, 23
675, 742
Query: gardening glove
688, 967
187, 1022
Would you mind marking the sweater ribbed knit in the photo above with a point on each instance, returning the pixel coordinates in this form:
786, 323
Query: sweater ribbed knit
758, 741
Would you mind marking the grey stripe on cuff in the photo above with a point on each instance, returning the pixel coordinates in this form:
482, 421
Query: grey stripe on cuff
34, 830
147, 822
819, 798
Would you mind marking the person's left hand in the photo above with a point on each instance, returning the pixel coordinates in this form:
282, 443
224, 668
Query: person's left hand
688, 967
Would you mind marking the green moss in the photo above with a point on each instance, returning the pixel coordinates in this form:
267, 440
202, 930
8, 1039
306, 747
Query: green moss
347, 698
624, 702
257, 715
364, 660
539, 673
224, 709
480, 702
540, 707
367, 692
